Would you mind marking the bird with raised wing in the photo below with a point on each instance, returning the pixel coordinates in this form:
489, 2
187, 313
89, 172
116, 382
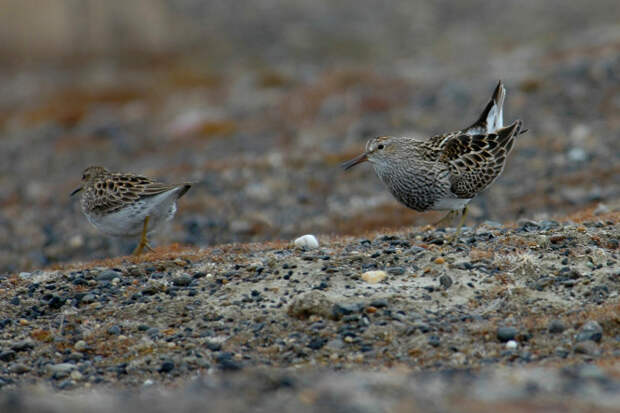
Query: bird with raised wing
446, 171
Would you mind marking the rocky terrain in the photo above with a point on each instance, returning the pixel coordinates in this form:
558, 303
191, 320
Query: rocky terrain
390, 309
258, 103
263, 138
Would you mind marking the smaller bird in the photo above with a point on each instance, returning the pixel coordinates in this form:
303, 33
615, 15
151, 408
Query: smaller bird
446, 171
126, 205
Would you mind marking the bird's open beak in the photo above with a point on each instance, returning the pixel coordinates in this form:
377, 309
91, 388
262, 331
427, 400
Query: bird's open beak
358, 159
76, 191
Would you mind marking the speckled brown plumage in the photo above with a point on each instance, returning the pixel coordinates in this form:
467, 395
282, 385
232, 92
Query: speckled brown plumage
446, 171
127, 205
106, 192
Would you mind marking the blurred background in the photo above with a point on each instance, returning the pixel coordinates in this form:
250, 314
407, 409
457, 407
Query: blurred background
259, 101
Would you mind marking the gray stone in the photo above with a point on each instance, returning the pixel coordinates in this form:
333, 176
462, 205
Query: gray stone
20, 369
24, 345
88, 298
167, 366
182, 280
61, 370
313, 302
108, 275
587, 347
445, 281
80, 345
396, 270
556, 326
506, 333
590, 331
7, 355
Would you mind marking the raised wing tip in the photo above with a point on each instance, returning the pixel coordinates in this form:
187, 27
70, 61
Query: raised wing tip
499, 93
184, 188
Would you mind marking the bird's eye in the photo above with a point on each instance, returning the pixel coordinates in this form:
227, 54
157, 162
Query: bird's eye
380, 146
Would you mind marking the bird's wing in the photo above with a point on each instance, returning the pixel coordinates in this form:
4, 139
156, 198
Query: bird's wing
491, 119
435, 145
119, 190
475, 160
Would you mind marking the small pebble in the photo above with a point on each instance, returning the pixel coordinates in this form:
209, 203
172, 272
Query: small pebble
577, 155
7, 355
445, 281
20, 369
396, 270
80, 345
601, 209
61, 370
590, 331
505, 334
213, 345
108, 275
556, 327
587, 347
182, 280
434, 341
23, 345
167, 366
511, 345
307, 241
373, 277
88, 298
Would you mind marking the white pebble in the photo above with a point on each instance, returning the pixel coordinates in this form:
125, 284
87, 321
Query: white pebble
307, 241
577, 155
80, 345
511, 344
373, 277
601, 209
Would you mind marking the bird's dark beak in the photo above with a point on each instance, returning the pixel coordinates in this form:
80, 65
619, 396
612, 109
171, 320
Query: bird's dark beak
358, 159
76, 191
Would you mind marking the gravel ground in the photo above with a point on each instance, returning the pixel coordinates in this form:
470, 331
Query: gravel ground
541, 296
263, 138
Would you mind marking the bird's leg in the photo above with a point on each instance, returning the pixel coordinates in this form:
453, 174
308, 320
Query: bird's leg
444, 220
143, 243
461, 222
455, 237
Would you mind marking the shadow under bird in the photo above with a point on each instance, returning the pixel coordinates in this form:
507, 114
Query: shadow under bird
446, 171
126, 205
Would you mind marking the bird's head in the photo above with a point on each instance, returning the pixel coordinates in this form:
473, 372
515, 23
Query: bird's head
377, 150
90, 174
